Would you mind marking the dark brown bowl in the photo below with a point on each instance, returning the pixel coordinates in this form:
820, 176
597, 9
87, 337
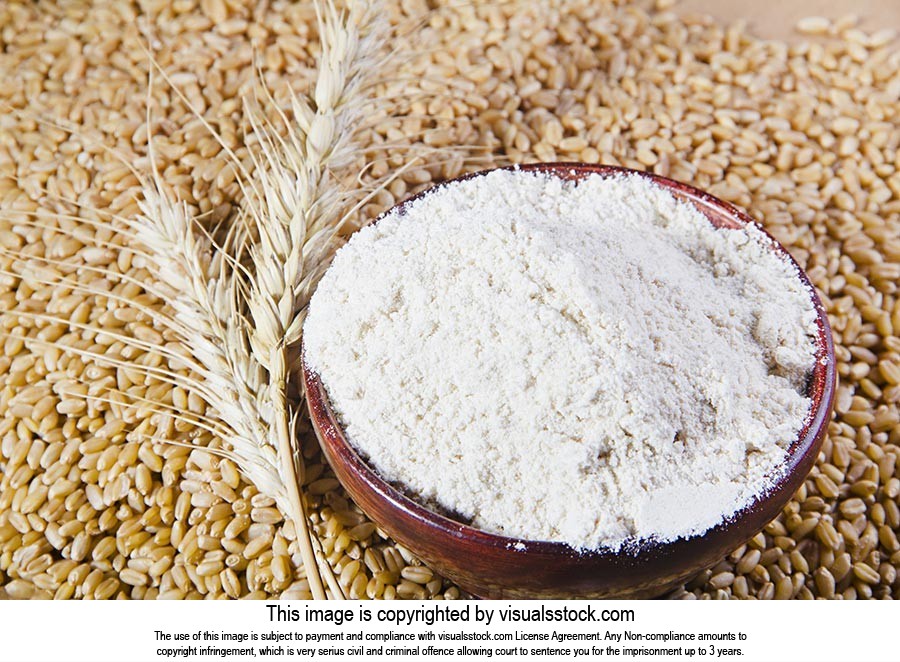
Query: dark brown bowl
495, 566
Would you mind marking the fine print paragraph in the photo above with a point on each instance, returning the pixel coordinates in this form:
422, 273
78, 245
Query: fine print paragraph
433, 631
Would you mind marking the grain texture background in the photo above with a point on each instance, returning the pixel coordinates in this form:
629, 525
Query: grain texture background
805, 136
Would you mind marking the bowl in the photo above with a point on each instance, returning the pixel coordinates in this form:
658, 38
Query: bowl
494, 566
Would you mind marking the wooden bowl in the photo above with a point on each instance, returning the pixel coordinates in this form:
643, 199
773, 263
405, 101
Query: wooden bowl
494, 566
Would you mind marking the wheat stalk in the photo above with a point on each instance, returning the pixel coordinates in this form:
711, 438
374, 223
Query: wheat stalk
295, 208
298, 213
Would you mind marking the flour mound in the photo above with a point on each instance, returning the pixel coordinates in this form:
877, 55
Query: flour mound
587, 363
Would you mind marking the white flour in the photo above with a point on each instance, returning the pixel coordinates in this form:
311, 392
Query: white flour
582, 363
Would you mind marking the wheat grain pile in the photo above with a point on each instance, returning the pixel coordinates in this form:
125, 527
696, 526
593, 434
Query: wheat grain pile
94, 505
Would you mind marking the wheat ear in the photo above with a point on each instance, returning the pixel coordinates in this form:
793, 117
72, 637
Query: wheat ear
242, 364
299, 211
295, 210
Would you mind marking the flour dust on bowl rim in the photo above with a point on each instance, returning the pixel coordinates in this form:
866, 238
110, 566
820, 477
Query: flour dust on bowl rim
494, 565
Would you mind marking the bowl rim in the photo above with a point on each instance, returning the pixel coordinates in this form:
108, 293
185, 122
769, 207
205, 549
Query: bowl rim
821, 391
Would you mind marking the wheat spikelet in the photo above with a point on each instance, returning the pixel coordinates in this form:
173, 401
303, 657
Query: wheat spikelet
297, 215
299, 212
